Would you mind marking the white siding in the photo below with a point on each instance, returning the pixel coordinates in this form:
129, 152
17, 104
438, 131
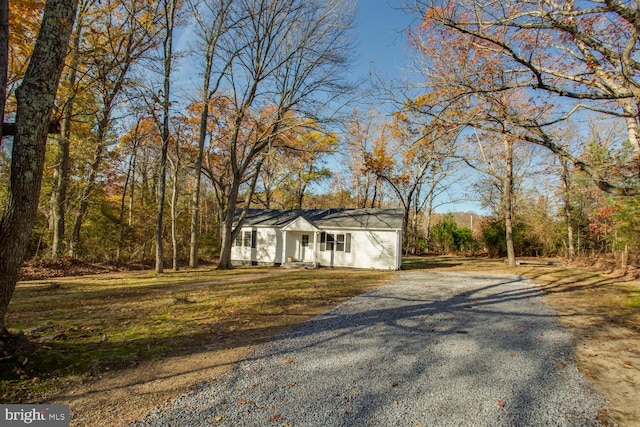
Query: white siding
369, 249
267, 241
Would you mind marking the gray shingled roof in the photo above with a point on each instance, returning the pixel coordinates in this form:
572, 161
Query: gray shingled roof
372, 218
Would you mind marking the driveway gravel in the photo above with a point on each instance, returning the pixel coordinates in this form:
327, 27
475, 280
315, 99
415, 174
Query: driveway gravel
431, 349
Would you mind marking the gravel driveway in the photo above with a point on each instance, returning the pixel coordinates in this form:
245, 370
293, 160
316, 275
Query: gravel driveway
431, 349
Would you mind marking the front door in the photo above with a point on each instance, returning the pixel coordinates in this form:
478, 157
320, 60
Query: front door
304, 247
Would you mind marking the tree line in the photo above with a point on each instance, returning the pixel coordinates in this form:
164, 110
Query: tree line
125, 140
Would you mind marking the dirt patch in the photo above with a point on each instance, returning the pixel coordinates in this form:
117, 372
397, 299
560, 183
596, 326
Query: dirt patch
119, 398
607, 334
65, 267
610, 359
116, 399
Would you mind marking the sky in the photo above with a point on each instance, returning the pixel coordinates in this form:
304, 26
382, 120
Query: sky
382, 42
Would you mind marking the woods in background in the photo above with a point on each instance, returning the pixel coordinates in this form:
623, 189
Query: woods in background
144, 160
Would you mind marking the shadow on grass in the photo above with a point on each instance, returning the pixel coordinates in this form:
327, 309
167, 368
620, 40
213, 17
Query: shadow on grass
572, 282
37, 362
427, 263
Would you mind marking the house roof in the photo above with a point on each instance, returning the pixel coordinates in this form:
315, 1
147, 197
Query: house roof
372, 218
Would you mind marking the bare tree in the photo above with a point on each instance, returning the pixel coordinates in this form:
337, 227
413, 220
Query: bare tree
503, 176
170, 8
291, 58
215, 18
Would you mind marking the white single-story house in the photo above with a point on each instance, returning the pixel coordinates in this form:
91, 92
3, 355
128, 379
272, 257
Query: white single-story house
355, 238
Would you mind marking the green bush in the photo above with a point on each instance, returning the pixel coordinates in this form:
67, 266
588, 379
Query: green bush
447, 238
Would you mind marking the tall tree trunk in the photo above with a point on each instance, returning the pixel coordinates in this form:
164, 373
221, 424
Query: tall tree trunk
61, 169
83, 209
128, 179
160, 214
415, 221
567, 208
60, 181
375, 193
170, 6
195, 215
35, 100
174, 216
4, 59
430, 198
210, 33
144, 197
228, 232
175, 165
300, 195
508, 201
133, 186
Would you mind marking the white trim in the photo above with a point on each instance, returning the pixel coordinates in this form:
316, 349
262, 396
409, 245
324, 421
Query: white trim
299, 224
358, 228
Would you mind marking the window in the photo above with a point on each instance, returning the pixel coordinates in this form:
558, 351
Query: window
247, 239
337, 242
330, 241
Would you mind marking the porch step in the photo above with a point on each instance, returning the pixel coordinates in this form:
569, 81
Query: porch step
300, 264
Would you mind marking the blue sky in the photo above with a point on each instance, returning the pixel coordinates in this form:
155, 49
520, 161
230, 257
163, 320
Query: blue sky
382, 42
